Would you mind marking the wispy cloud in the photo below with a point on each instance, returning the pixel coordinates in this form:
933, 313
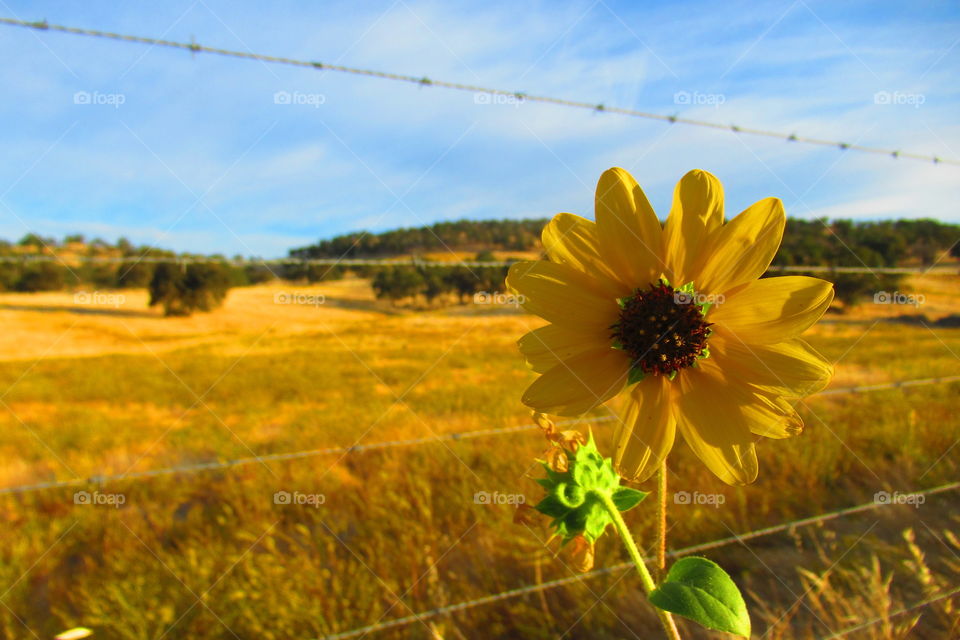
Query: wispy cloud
333, 158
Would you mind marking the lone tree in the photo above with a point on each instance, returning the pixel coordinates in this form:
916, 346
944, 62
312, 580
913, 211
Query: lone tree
183, 290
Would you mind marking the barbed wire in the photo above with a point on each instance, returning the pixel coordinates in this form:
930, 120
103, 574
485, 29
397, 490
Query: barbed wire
386, 262
102, 480
898, 612
623, 566
424, 81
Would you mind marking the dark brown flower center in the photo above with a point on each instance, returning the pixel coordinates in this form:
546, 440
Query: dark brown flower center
661, 329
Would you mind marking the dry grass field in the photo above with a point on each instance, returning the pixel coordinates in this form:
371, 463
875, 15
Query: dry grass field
110, 387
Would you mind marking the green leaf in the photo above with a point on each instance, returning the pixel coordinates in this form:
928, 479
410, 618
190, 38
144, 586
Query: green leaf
626, 498
699, 589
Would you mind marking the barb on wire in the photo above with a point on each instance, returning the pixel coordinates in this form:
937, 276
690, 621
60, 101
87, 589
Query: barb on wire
424, 81
456, 436
697, 548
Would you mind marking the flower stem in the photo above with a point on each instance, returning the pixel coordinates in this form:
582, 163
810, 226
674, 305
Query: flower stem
662, 520
669, 626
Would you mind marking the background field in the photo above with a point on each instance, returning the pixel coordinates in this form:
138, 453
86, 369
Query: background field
112, 389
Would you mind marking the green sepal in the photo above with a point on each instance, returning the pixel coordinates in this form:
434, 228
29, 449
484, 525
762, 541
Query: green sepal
698, 589
555, 476
574, 497
689, 288
596, 521
636, 375
627, 498
551, 506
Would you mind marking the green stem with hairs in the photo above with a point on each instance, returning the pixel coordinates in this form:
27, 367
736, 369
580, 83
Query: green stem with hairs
669, 626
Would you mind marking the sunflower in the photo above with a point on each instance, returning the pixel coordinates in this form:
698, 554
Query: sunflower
675, 318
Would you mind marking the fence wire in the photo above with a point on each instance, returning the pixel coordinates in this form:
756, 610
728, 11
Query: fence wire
624, 566
424, 81
400, 262
101, 480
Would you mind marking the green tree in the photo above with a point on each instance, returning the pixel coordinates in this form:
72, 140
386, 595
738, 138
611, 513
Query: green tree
397, 282
134, 275
183, 290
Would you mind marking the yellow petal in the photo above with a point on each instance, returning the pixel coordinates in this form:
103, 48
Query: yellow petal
579, 384
712, 423
764, 412
574, 241
773, 309
791, 368
773, 417
697, 210
630, 234
741, 250
645, 435
561, 294
547, 346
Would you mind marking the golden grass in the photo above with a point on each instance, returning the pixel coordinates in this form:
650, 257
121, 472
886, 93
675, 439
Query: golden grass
107, 391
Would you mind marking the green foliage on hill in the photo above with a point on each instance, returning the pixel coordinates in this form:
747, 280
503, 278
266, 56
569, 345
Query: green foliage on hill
820, 242
460, 235
806, 242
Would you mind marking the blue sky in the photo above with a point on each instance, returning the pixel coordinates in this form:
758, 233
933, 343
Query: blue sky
200, 157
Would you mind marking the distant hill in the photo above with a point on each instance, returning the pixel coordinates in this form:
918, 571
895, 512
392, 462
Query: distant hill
462, 235
806, 242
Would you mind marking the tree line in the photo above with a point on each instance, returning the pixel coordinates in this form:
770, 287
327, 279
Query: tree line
459, 235
181, 287
810, 242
